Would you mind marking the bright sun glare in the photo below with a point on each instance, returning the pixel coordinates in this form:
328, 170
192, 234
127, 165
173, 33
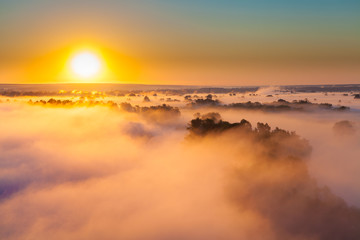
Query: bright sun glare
85, 64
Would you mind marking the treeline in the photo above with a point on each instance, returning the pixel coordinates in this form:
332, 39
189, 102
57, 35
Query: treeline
129, 93
280, 105
69, 103
160, 114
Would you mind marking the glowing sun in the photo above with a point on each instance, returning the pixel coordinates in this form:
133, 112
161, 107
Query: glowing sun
86, 64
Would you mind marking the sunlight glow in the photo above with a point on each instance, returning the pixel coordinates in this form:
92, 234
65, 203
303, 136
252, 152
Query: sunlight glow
86, 64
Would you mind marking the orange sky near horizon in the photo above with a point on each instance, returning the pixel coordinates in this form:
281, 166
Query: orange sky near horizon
191, 43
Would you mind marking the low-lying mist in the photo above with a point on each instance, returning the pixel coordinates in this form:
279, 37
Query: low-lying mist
162, 172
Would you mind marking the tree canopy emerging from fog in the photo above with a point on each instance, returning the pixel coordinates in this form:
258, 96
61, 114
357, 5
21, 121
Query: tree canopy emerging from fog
277, 106
276, 182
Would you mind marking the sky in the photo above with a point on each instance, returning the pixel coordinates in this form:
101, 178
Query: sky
228, 43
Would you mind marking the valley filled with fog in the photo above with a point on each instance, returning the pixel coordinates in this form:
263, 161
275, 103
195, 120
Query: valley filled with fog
183, 163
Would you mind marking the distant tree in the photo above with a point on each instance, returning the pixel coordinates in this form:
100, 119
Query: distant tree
211, 115
263, 129
146, 99
187, 98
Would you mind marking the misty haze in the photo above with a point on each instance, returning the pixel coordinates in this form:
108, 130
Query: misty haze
179, 120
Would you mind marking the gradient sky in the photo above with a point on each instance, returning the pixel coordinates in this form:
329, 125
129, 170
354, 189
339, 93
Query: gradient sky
228, 42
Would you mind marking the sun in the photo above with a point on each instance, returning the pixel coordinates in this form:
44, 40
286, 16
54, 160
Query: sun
86, 64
